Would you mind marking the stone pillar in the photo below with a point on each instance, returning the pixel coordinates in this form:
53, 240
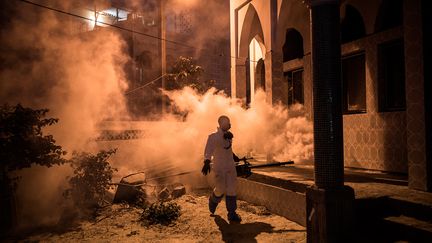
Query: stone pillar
240, 79
326, 79
329, 203
415, 103
274, 77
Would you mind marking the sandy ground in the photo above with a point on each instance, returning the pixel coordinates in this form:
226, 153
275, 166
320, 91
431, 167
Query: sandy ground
119, 223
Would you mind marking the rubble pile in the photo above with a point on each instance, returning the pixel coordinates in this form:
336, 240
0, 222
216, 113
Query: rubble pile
134, 189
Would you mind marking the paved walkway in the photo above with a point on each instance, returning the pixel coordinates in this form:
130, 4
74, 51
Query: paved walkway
366, 183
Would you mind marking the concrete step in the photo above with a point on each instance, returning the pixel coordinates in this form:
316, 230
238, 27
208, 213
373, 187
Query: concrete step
394, 229
411, 222
388, 206
393, 220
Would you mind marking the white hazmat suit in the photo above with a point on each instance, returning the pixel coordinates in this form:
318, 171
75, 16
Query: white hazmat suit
219, 149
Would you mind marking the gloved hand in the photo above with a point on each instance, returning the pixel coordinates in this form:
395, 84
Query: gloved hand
206, 168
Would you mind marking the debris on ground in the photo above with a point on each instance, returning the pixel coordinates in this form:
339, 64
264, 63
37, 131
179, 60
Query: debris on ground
121, 223
130, 188
164, 194
163, 213
134, 189
178, 191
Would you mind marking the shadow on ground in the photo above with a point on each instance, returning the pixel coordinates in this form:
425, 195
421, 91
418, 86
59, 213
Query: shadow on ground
247, 232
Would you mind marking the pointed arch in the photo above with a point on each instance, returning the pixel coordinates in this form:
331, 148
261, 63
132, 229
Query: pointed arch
251, 38
293, 46
390, 15
251, 28
352, 25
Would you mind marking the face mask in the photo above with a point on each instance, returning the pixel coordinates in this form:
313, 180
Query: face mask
228, 136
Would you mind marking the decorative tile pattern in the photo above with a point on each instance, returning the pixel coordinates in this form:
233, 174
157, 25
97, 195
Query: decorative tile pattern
374, 140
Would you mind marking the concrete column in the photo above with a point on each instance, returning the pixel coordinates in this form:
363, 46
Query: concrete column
329, 202
240, 78
275, 85
326, 79
418, 173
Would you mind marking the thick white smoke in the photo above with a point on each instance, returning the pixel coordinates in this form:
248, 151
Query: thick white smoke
176, 144
80, 78
260, 129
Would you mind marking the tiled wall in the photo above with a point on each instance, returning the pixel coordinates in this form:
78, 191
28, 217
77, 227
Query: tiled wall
374, 140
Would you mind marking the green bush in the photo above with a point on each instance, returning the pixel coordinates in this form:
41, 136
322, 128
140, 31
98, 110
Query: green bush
161, 213
22, 142
185, 72
92, 178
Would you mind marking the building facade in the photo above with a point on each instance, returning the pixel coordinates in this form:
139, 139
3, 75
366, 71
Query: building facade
384, 94
157, 33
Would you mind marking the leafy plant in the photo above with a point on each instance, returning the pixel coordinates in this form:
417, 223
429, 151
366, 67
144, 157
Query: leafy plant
185, 72
161, 213
22, 142
92, 178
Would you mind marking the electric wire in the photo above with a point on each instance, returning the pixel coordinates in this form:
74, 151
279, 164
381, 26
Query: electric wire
128, 30
145, 85
104, 23
122, 28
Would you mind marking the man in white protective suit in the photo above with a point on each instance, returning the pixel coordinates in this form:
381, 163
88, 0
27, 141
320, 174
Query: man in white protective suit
219, 149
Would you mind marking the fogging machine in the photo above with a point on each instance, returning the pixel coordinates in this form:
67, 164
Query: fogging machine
245, 169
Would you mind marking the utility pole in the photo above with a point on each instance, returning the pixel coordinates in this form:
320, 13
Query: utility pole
163, 50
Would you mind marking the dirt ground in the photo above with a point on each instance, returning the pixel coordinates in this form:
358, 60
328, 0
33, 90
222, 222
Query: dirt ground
119, 223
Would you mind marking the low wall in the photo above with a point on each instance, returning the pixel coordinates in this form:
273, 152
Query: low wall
283, 202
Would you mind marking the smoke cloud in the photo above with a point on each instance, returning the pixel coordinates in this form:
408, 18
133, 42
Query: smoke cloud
172, 144
45, 64
80, 78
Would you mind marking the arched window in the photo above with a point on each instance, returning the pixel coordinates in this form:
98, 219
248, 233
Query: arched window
352, 26
390, 15
260, 75
248, 81
254, 71
293, 47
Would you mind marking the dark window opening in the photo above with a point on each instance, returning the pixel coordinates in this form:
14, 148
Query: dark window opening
390, 15
293, 47
248, 81
352, 26
391, 76
353, 84
295, 86
260, 75
143, 62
